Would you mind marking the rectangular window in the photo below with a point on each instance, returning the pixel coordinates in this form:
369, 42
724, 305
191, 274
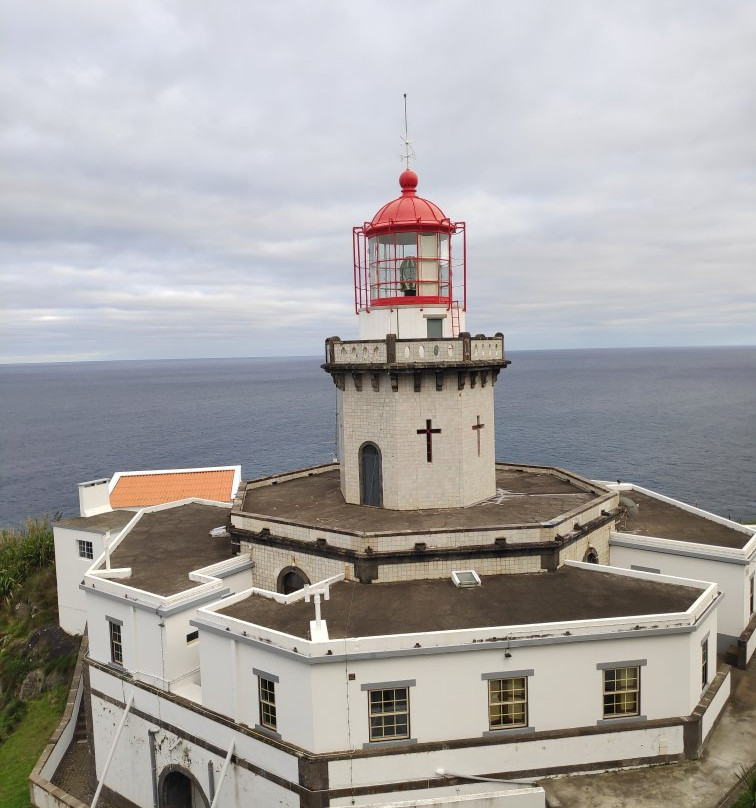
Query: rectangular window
192, 636
507, 703
85, 549
621, 692
116, 644
266, 689
389, 714
705, 662
435, 327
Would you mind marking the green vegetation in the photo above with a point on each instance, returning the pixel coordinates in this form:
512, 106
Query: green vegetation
19, 753
748, 798
23, 551
36, 656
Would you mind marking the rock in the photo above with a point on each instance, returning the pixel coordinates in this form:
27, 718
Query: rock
22, 610
53, 679
32, 685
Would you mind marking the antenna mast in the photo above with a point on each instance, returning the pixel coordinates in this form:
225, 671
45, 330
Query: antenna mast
409, 152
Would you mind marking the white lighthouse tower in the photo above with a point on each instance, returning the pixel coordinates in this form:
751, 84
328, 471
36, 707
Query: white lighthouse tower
415, 392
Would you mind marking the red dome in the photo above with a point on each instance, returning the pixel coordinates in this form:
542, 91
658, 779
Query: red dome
409, 211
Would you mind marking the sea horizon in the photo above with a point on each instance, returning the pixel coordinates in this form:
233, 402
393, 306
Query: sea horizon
678, 420
315, 355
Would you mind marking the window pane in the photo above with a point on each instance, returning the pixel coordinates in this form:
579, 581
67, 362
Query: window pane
621, 692
389, 713
507, 702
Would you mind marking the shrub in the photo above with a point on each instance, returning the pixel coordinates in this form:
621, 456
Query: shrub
22, 551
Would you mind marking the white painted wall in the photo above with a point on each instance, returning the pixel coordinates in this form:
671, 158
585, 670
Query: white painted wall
70, 569
715, 708
323, 711
467, 795
130, 772
407, 322
732, 578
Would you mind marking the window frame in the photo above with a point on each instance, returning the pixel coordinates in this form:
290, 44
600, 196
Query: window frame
510, 709
115, 638
614, 668
88, 548
267, 707
382, 739
507, 676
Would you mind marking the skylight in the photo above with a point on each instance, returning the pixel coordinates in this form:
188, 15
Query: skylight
465, 578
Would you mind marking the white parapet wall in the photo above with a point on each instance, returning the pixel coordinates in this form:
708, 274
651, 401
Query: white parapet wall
467, 795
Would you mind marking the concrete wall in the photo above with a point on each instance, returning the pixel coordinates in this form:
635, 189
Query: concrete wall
184, 739
732, 578
70, 569
323, 709
468, 795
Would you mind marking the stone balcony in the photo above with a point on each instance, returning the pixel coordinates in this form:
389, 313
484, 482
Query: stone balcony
399, 355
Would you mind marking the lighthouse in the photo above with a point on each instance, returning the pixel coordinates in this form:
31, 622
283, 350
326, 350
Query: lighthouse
415, 406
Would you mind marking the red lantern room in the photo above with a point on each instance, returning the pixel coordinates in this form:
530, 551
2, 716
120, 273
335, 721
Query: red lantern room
403, 258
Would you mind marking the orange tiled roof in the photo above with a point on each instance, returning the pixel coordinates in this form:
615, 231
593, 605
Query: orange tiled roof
138, 490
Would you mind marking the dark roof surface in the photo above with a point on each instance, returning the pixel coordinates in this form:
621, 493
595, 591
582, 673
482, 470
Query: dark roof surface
526, 497
111, 520
665, 521
165, 546
364, 610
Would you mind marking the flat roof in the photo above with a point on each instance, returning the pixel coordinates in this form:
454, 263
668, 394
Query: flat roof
166, 545
664, 520
110, 520
524, 497
406, 607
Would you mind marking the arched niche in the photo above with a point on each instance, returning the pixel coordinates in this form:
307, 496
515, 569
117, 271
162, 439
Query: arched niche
291, 579
591, 556
179, 788
371, 475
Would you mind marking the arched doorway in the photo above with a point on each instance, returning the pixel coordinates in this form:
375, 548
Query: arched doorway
178, 789
591, 556
371, 478
291, 579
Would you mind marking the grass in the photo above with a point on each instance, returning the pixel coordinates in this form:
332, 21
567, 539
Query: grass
19, 753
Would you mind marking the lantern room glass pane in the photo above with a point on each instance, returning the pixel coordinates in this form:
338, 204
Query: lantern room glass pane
409, 264
443, 261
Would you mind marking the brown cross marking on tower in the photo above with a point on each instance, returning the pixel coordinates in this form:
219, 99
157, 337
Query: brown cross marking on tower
477, 427
428, 432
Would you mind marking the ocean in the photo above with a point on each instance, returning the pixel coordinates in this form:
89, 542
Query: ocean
680, 421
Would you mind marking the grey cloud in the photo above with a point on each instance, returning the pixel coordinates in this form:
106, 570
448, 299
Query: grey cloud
182, 178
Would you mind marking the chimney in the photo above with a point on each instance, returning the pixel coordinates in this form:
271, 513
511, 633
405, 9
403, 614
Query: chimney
94, 497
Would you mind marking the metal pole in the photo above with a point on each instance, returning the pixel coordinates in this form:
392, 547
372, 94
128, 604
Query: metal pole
222, 775
112, 751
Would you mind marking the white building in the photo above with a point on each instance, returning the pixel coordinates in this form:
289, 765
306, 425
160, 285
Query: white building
107, 506
385, 629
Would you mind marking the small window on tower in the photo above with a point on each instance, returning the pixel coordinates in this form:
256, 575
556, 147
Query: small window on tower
435, 327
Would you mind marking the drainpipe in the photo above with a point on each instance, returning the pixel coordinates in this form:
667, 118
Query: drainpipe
112, 751
222, 775
151, 733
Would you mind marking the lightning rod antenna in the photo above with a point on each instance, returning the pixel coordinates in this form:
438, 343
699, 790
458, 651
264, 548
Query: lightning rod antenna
409, 152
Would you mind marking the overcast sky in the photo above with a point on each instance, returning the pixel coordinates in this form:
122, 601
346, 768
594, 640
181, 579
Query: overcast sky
180, 179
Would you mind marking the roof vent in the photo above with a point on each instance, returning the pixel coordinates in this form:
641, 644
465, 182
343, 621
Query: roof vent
219, 533
465, 578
